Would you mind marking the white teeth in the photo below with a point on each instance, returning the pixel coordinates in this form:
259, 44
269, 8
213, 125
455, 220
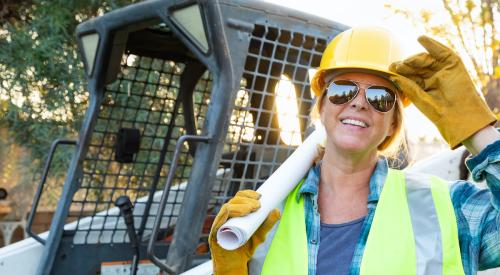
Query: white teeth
354, 122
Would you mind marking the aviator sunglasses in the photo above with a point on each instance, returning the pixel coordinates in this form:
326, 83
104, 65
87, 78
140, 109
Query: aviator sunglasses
381, 98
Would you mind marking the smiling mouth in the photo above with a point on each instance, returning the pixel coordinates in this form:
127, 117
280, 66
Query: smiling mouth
354, 122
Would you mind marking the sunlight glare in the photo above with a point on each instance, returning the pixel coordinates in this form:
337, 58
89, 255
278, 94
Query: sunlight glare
286, 103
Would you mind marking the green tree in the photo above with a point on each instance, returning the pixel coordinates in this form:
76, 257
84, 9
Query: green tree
472, 28
42, 84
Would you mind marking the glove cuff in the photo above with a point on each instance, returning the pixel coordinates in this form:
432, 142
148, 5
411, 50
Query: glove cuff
228, 266
454, 130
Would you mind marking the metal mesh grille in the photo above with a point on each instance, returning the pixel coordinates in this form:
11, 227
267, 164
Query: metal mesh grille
258, 141
146, 97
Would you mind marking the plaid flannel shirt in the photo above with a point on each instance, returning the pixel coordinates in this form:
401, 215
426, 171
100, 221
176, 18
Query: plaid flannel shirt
477, 211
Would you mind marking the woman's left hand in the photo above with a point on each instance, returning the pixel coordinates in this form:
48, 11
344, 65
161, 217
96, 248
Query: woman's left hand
437, 82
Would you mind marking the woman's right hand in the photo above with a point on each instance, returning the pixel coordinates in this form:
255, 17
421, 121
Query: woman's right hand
236, 261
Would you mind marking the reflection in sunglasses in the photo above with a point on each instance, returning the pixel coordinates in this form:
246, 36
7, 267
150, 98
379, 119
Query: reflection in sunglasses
381, 98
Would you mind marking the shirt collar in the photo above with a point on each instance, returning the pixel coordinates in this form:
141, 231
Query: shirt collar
311, 183
377, 179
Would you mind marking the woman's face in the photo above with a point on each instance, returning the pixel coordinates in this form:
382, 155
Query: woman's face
340, 120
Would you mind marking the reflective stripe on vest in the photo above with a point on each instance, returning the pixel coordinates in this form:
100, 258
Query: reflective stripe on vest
414, 231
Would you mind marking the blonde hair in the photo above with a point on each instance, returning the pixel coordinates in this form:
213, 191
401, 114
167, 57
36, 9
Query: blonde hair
391, 147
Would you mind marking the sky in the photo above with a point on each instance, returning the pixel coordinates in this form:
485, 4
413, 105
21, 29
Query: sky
373, 12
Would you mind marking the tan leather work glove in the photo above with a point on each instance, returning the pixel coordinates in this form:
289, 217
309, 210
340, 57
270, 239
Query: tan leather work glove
236, 261
439, 85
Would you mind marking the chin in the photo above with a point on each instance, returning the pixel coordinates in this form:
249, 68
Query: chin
353, 145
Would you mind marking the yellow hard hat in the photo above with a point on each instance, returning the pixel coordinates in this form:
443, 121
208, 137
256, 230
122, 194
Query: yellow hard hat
366, 48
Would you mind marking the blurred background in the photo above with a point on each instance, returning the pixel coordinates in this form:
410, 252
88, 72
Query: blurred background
43, 90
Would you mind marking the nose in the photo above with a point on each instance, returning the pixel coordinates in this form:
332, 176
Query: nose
359, 102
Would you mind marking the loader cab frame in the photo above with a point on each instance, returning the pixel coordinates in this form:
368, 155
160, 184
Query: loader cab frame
182, 114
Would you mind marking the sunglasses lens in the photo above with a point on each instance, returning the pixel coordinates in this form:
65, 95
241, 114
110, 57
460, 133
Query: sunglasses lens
381, 98
341, 92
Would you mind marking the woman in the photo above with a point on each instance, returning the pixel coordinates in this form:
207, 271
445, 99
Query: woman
351, 214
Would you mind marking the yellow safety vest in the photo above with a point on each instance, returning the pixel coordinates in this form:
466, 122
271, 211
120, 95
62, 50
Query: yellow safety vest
414, 231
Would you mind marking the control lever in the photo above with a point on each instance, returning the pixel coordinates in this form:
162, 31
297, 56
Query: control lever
126, 207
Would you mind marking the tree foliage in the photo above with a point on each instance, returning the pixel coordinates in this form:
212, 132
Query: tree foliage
42, 84
472, 28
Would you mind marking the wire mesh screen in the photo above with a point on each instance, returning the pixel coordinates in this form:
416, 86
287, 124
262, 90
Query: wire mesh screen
271, 113
270, 118
145, 97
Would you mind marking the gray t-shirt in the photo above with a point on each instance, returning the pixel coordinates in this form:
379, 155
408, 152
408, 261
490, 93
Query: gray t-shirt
336, 247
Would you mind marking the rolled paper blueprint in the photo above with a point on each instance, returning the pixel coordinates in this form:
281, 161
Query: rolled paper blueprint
236, 231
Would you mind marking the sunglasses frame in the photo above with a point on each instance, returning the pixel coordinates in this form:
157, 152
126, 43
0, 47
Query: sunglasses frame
356, 83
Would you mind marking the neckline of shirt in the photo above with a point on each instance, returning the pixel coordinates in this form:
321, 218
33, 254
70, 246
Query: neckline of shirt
345, 223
